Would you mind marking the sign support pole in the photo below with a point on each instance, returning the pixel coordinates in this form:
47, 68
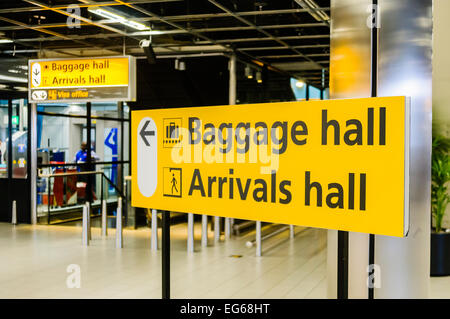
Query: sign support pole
165, 255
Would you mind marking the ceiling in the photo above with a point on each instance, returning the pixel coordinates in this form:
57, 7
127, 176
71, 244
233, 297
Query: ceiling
289, 36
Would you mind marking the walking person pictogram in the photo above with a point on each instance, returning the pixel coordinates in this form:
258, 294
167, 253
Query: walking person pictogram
174, 183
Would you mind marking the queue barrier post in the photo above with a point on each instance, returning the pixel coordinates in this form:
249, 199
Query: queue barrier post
14, 213
84, 232
154, 230
204, 230
190, 240
104, 219
216, 229
119, 235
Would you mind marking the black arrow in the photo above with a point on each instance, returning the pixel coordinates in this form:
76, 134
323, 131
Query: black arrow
145, 133
36, 72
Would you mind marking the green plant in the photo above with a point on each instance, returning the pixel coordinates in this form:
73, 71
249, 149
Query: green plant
440, 176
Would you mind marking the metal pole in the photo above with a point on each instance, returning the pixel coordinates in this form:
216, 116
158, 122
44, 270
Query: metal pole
88, 219
204, 230
14, 213
165, 247
33, 162
190, 242
154, 230
104, 219
232, 83
258, 239
227, 228
84, 232
291, 231
119, 237
342, 265
216, 229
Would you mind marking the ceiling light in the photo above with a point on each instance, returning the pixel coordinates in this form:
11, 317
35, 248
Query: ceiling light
3, 86
248, 72
13, 71
13, 79
23, 67
6, 41
258, 77
299, 84
21, 88
118, 18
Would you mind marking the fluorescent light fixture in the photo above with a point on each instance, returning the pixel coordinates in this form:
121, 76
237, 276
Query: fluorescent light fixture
299, 84
23, 67
13, 79
3, 86
13, 71
6, 41
118, 18
20, 88
312, 7
150, 32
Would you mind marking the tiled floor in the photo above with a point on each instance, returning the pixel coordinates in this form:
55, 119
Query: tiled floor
34, 259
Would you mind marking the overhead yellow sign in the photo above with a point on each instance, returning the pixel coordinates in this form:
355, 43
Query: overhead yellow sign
87, 79
336, 164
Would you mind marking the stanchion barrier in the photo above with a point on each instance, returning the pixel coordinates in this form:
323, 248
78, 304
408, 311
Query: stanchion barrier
258, 239
254, 242
14, 213
190, 240
216, 229
238, 227
154, 230
119, 235
85, 232
89, 220
227, 228
104, 219
204, 230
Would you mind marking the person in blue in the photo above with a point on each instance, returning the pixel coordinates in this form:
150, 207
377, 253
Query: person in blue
81, 155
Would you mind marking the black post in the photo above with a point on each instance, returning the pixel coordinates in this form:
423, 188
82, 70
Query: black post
307, 92
89, 152
342, 266
374, 92
9, 159
165, 252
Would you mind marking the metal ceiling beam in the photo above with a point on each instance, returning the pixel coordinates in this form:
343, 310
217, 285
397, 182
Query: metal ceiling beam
225, 15
178, 31
309, 46
75, 16
295, 37
267, 34
55, 34
65, 6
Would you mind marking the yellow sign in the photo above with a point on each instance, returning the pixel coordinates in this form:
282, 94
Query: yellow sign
102, 78
337, 164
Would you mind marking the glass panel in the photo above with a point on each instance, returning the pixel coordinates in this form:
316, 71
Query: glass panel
314, 93
63, 108
106, 109
3, 138
19, 138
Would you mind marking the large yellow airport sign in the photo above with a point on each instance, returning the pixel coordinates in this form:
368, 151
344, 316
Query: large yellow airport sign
82, 79
337, 164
